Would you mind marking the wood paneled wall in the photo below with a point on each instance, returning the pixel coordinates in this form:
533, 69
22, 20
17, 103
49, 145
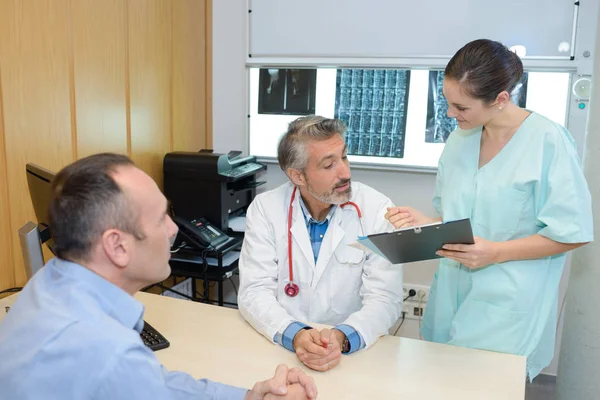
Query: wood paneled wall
79, 77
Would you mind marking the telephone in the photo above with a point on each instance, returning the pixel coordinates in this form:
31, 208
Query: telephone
201, 233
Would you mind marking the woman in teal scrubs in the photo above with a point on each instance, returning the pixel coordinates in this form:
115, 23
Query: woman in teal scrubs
517, 176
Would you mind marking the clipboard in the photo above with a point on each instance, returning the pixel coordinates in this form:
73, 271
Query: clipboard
420, 242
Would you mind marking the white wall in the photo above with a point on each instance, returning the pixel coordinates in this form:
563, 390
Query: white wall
229, 76
230, 133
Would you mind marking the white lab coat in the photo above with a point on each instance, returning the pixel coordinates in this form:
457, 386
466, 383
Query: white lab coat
345, 286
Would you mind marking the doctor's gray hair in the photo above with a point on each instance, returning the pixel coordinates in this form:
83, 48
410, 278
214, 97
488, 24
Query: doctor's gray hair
291, 152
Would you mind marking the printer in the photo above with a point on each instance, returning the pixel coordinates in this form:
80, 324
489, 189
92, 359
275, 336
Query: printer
210, 185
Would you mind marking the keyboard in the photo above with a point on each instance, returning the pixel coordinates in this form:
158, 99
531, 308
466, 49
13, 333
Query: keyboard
242, 170
152, 338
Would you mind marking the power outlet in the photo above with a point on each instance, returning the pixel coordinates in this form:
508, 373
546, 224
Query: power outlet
419, 290
411, 307
412, 310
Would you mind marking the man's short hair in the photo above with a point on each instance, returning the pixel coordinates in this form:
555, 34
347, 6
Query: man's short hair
87, 201
291, 152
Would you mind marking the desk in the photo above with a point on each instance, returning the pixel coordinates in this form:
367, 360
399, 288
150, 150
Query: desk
216, 343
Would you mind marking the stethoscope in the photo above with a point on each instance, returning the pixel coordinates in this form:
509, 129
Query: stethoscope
291, 289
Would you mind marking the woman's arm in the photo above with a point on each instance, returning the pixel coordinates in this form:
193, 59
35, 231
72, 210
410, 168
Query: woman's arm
484, 252
531, 247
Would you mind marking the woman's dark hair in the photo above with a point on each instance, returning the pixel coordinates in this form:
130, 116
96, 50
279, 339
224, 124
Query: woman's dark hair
485, 68
86, 201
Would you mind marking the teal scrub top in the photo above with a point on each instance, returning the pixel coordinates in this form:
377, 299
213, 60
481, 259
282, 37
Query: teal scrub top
534, 185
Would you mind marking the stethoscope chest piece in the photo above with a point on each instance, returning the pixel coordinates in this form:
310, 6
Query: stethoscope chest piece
291, 289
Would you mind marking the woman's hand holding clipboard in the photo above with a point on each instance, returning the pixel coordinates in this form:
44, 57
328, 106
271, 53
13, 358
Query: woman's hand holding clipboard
421, 242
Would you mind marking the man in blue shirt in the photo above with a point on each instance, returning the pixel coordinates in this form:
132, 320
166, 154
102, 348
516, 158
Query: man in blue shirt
73, 333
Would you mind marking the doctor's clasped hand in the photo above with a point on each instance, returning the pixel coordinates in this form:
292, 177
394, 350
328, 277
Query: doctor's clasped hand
320, 351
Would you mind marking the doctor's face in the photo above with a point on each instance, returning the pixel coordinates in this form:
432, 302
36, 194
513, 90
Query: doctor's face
327, 172
468, 111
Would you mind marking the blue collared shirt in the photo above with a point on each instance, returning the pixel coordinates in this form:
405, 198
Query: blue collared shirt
316, 232
316, 229
73, 335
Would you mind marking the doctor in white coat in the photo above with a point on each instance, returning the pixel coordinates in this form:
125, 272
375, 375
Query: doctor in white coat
296, 267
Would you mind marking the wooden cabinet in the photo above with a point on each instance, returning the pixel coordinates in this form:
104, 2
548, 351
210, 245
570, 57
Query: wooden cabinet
79, 77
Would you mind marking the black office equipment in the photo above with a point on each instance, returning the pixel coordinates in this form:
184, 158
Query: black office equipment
209, 184
200, 233
233, 154
32, 235
421, 243
39, 181
193, 265
153, 339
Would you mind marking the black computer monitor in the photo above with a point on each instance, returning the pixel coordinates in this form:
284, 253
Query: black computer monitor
32, 235
39, 181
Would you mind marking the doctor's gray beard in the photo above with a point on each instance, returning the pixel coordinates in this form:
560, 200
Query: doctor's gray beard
332, 197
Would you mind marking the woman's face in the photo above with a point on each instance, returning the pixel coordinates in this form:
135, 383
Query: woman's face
468, 111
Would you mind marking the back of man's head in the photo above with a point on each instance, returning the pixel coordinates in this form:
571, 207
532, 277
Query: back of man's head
86, 201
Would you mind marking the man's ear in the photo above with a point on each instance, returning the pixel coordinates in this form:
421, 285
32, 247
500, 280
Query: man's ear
116, 246
297, 177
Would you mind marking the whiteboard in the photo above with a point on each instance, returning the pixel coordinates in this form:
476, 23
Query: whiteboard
407, 29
